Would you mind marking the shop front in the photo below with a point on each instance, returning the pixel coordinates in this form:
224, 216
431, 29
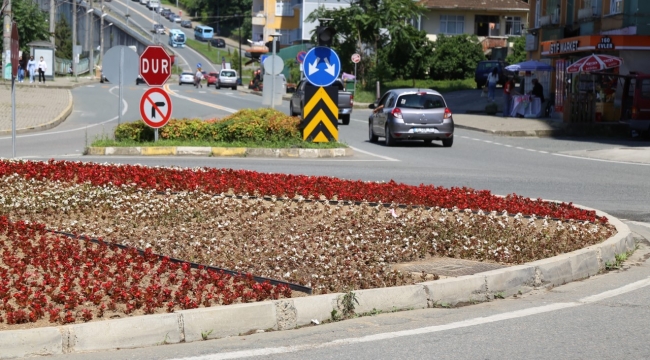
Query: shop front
594, 96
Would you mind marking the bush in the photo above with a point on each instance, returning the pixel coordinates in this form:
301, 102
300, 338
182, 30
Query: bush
134, 131
244, 125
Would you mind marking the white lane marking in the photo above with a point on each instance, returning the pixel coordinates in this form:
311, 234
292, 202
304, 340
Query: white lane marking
601, 160
430, 329
373, 154
215, 106
558, 154
84, 128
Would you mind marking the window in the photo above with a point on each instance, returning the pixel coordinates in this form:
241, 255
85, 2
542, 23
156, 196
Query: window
283, 9
616, 6
418, 101
452, 24
645, 89
513, 25
538, 13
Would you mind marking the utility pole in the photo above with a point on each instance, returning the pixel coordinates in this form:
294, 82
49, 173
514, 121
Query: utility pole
91, 64
52, 17
6, 34
101, 34
74, 38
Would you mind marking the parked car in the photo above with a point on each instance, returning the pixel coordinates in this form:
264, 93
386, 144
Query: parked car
345, 101
186, 24
411, 114
139, 80
186, 78
165, 13
227, 78
483, 68
211, 78
218, 42
160, 9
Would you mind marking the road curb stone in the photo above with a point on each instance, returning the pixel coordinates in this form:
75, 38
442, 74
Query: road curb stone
220, 152
215, 322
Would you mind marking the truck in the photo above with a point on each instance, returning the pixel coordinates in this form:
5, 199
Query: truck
345, 101
153, 5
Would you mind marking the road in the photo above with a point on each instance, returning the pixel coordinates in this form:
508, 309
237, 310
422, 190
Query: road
188, 58
565, 322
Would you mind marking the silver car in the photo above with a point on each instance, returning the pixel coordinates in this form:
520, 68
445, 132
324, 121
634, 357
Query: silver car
227, 78
411, 114
186, 78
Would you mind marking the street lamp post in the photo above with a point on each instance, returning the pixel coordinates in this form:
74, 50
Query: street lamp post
241, 24
101, 35
91, 58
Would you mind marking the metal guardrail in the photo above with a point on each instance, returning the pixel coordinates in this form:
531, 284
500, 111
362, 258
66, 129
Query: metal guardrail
61, 66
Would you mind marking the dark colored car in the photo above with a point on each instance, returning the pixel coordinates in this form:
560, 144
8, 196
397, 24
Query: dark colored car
483, 68
218, 42
139, 80
186, 24
411, 114
165, 13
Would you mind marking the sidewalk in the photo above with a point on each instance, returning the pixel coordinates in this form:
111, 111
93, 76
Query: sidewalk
38, 106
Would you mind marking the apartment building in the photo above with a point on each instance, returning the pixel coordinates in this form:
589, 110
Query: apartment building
287, 18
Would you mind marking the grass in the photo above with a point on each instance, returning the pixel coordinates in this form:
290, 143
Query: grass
104, 142
213, 54
442, 86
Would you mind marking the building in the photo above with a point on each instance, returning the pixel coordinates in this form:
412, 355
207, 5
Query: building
493, 21
287, 18
560, 32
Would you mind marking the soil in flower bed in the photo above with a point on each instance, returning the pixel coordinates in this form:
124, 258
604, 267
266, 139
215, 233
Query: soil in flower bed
329, 246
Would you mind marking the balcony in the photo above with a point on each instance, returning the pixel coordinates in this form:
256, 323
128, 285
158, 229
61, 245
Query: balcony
588, 13
259, 19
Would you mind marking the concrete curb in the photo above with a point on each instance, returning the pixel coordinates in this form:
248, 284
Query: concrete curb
522, 133
57, 120
233, 320
220, 152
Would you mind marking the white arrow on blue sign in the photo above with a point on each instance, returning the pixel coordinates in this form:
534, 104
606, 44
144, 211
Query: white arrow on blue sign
322, 66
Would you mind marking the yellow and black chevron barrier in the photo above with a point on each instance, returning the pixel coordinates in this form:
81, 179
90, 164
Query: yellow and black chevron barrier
320, 114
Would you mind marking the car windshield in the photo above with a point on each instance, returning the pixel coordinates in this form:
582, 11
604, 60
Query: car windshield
420, 101
187, 74
179, 37
487, 65
228, 73
213, 74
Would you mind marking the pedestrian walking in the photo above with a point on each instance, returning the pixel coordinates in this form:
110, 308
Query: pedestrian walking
21, 73
492, 80
31, 69
42, 67
508, 89
197, 78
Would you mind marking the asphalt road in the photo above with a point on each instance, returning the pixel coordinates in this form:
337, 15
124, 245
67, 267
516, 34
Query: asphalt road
188, 58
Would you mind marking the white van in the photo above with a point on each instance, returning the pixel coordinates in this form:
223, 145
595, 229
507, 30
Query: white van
153, 5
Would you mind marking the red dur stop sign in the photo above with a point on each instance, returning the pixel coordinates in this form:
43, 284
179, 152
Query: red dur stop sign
155, 65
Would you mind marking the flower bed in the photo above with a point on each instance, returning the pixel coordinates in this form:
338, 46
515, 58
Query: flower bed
218, 217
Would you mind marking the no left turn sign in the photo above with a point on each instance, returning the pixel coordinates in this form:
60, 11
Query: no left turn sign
155, 107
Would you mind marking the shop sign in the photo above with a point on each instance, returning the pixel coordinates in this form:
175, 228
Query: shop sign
531, 42
563, 47
605, 44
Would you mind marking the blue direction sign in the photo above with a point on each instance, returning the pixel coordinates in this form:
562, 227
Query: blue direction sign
322, 66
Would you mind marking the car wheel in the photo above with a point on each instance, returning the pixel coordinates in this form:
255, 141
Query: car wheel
390, 140
345, 119
217, 86
234, 88
291, 113
448, 142
479, 85
371, 134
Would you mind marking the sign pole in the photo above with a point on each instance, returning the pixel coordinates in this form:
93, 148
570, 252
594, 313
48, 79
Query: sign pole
155, 135
120, 83
13, 116
354, 89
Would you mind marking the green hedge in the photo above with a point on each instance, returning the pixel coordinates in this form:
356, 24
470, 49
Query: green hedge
244, 125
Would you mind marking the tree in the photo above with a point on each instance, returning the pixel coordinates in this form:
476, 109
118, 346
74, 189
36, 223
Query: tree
409, 53
32, 22
368, 25
518, 50
63, 38
455, 57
